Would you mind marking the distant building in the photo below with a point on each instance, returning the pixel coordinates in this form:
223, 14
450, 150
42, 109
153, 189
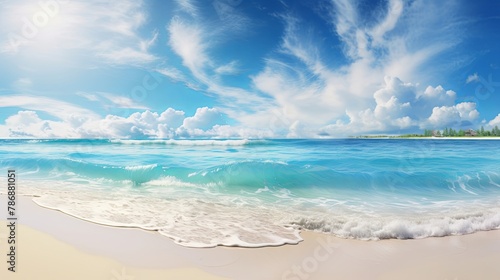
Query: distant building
436, 133
470, 132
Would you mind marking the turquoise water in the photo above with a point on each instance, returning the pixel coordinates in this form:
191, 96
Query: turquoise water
251, 193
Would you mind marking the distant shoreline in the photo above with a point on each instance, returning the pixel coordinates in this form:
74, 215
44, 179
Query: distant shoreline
428, 138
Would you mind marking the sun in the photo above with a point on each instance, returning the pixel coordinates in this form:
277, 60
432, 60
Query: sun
38, 24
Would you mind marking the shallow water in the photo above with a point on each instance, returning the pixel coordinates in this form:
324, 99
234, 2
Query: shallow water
251, 193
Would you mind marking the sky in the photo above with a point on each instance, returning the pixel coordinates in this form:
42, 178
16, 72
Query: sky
246, 68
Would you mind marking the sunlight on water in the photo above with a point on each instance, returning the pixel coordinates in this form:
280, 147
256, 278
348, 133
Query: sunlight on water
251, 193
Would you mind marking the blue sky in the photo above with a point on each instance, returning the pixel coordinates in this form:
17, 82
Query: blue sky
242, 68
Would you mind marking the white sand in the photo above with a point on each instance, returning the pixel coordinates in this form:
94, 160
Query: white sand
53, 245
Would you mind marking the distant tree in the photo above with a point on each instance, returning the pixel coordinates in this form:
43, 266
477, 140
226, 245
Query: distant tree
450, 132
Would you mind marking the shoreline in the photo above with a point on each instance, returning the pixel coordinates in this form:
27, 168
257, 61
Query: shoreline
48, 237
426, 138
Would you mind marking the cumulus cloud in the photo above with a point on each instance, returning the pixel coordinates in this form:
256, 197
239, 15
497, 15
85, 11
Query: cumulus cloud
137, 125
394, 100
171, 123
23, 118
495, 122
27, 124
204, 118
396, 105
172, 117
401, 106
460, 115
444, 115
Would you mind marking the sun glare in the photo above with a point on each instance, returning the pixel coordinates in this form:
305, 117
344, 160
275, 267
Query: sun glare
41, 25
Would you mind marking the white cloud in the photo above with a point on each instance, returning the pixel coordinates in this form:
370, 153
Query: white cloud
401, 106
137, 125
27, 124
186, 39
23, 118
122, 101
453, 115
206, 122
145, 44
472, 78
88, 96
59, 109
176, 75
204, 118
444, 116
126, 55
394, 12
300, 47
396, 106
495, 122
394, 100
345, 25
295, 97
228, 69
111, 100
230, 17
192, 40
467, 111
126, 46
172, 73
188, 6
172, 118
439, 94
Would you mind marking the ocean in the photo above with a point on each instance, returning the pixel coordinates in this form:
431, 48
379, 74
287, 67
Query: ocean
253, 193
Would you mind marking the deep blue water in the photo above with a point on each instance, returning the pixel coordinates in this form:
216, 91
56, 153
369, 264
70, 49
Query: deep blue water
262, 192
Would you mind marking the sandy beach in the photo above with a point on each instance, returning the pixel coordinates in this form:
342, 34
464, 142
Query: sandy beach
53, 245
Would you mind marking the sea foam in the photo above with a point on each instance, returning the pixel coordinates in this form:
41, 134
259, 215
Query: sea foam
207, 142
264, 192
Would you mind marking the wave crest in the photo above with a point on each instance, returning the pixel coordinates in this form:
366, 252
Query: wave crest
207, 142
397, 228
